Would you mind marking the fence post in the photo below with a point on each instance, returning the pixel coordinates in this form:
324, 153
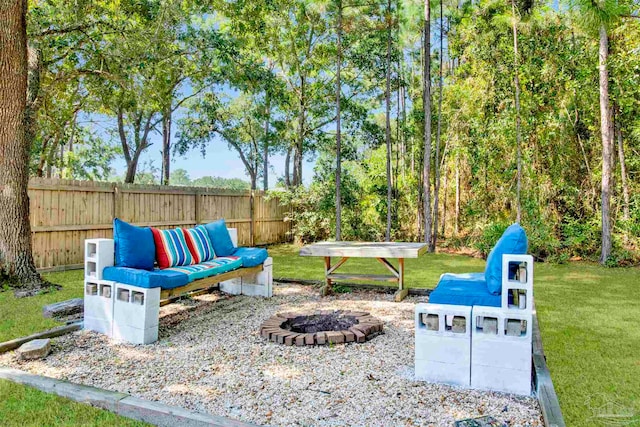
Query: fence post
252, 225
197, 208
116, 202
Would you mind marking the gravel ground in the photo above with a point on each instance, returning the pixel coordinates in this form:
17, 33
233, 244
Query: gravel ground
211, 358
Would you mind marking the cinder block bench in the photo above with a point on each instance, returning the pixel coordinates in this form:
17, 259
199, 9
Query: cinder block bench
124, 303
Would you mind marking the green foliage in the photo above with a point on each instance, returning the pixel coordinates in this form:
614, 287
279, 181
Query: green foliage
261, 77
181, 177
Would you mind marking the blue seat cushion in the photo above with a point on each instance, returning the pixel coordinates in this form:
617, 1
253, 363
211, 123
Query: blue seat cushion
464, 289
164, 279
220, 238
216, 266
251, 256
134, 246
513, 241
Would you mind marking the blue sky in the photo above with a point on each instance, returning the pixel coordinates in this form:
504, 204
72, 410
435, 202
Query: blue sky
219, 161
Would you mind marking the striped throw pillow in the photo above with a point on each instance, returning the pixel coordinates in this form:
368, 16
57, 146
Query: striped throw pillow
199, 244
171, 248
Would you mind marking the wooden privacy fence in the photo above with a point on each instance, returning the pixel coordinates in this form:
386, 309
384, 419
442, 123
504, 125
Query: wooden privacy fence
64, 213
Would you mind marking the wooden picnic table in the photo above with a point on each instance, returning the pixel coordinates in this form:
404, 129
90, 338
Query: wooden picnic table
381, 251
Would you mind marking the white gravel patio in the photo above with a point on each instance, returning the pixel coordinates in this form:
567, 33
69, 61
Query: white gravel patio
211, 358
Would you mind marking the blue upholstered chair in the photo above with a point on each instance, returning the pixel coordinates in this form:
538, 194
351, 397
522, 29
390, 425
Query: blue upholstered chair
483, 289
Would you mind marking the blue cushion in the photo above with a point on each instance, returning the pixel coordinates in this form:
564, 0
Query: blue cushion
220, 238
134, 246
513, 241
251, 256
164, 279
216, 266
464, 289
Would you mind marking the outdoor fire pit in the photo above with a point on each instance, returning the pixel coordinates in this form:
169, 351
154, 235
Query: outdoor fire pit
321, 327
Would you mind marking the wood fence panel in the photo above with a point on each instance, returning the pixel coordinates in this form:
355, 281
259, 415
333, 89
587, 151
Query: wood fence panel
64, 213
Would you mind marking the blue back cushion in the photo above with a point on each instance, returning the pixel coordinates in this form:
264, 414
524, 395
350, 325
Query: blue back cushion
134, 246
513, 241
220, 238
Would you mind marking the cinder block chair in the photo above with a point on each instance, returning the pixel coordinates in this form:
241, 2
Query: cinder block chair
500, 302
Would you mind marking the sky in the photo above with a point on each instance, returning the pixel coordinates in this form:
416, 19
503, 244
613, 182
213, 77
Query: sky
219, 161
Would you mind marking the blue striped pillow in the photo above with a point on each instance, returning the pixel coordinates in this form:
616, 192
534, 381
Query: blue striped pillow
171, 248
199, 244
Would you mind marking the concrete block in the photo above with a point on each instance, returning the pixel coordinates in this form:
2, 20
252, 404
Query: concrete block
445, 349
98, 325
260, 284
523, 284
431, 321
135, 335
232, 287
501, 379
136, 307
501, 361
512, 354
98, 305
446, 315
255, 290
440, 372
443, 343
98, 254
489, 325
233, 233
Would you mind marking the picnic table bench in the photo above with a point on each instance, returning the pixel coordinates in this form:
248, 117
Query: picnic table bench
381, 251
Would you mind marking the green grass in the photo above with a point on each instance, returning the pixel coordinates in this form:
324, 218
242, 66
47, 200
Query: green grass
23, 316
25, 406
588, 316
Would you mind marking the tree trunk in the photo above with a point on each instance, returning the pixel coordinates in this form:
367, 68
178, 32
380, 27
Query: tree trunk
130, 175
444, 201
297, 155
388, 122
166, 146
626, 215
438, 135
287, 175
516, 80
456, 227
16, 261
607, 144
338, 135
426, 99
265, 147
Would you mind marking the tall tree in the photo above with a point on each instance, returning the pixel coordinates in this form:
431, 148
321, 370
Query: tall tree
438, 132
387, 95
516, 81
338, 124
18, 95
600, 16
426, 100
606, 131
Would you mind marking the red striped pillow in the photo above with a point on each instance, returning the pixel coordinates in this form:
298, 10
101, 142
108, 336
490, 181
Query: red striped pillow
199, 244
171, 248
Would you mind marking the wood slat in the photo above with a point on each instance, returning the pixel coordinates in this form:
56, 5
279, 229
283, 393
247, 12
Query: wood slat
374, 277
208, 282
365, 249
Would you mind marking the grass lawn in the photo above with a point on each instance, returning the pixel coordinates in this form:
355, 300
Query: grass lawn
588, 315
25, 406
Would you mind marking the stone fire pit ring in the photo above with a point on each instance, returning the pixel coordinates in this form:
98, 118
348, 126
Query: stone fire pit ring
321, 327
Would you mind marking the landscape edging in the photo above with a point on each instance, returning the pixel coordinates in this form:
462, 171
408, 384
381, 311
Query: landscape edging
546, 393
155, 413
